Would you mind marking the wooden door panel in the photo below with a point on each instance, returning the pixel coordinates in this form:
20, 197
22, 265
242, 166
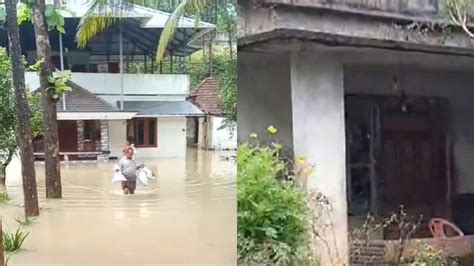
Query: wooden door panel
413, 170
67, 131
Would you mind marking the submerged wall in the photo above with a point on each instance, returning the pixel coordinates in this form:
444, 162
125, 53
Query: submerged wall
224, 138
171, 139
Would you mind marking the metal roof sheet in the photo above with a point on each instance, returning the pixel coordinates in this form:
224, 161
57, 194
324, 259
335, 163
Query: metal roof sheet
162, 108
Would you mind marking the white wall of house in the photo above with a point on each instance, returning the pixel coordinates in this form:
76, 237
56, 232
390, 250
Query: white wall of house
150, 84
171, 139
222, 138
117, 137
138, 87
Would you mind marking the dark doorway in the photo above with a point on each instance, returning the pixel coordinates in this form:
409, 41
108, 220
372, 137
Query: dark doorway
67, 131
398, 154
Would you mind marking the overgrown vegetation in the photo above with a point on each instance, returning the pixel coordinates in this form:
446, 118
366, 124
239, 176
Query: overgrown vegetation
8, 120
12, 242
8, 115
228, 92
273, 214
428, 255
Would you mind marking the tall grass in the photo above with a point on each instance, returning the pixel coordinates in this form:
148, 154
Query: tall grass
12, 242
25, 221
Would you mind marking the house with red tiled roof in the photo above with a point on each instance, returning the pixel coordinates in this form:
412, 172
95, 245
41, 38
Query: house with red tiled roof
207, 132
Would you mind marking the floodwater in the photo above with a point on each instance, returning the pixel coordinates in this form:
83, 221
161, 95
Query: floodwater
186, 217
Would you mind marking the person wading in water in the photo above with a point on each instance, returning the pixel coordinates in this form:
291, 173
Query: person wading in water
128, 167
130, 143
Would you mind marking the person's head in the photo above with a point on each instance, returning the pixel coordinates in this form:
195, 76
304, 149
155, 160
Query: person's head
129, 152
130, 140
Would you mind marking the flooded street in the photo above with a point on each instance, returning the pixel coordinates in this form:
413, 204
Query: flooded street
186, 217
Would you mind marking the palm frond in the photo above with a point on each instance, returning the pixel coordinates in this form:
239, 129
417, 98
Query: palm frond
197, 6
105, 13
101, 15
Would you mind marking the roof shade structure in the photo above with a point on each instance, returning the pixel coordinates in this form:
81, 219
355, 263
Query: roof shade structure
159, 108
141, 29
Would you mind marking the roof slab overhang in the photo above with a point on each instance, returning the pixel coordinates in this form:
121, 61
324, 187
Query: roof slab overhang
260, 25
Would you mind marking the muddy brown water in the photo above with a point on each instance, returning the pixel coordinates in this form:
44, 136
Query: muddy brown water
186, 217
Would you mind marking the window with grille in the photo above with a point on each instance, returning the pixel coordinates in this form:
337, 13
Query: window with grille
144, 132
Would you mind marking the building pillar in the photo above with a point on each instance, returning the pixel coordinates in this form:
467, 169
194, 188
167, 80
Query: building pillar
104, 140
317, 94
80, 135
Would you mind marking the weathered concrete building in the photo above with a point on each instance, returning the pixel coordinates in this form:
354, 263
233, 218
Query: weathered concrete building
377, 94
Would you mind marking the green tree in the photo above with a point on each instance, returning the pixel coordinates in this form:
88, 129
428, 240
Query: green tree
458, 12
23, 112
48, 97
228, 92
8, 121
44, 18
9, 142
224, 68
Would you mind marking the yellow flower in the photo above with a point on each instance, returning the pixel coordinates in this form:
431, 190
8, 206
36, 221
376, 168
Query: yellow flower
254, 136
301, 159
272, 130
307, 171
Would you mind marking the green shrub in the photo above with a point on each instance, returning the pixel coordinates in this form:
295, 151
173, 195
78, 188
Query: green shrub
12, 242
25, 221
273, 215
4, 198
429, 256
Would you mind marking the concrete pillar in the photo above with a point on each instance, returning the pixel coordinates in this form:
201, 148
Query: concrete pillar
80, 135
104, 140
317, 94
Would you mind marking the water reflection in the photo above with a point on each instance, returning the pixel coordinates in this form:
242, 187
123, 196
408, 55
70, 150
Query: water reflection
187, 216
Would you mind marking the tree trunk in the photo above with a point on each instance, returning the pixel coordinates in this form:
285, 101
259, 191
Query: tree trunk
2, 254
3, 187
50, 123
3, 169
24, 113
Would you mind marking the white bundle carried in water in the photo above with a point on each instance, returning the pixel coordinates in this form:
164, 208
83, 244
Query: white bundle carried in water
149, 173
143, 177
118, 177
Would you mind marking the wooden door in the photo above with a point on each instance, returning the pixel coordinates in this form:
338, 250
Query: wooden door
413, 169
67, 130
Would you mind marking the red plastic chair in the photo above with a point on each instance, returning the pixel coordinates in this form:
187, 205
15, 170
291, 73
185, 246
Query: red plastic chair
437, 227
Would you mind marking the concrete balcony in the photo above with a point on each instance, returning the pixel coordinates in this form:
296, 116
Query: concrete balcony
403, 8
136, 87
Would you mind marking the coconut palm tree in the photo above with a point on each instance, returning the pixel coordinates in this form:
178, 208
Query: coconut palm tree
105, 13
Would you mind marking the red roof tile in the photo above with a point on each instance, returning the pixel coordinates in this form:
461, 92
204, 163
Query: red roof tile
206, 97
